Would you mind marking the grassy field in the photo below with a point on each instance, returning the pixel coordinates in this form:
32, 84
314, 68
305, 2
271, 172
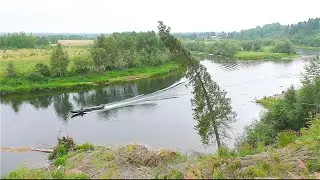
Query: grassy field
24, 60
22, 84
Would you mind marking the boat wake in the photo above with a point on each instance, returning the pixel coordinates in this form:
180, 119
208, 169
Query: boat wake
143, 99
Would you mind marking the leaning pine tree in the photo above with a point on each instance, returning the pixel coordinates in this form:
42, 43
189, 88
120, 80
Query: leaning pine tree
212, 108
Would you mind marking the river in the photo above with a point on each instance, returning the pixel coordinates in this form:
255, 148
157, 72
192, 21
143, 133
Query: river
36, 120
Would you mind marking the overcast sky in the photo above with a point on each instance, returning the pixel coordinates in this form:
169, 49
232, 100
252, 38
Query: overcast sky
96, 16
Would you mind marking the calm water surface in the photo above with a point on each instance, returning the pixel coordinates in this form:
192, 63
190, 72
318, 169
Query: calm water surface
37, 120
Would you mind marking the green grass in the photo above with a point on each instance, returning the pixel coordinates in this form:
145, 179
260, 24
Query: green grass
268, 102
265, 55
22, 84
307, 47
24, 60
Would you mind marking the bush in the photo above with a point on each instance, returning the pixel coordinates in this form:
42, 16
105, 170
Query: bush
284, 47
59, 151
61, 161
84, 147
36, 77
82, 64
10, 71
286, 137
42, 69
223, 48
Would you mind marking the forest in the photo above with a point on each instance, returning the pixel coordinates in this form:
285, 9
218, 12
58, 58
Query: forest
302, 33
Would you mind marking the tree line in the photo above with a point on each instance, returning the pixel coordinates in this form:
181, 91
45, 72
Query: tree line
229, 48
117, 51
22, 40
303, 33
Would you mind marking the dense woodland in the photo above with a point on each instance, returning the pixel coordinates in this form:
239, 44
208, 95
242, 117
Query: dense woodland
128, 49
22, 40
303, 33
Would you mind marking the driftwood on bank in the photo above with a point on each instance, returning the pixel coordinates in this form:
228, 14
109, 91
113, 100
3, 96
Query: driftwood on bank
24, 149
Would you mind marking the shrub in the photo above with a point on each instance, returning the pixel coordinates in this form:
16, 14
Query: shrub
36, 77
313, 164
61, 161
84, 147
42, 69
10, 70
82, 64
286, 137
59, 151
284, 47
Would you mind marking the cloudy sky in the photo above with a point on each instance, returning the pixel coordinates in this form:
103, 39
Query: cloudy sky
96, 16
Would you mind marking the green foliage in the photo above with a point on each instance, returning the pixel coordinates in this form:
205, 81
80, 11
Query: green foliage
64, 146
82, 64
60, 161
284, 47
304, 33
224, 152
26, 173
10, 71
125, 50
251, 45
59, 151
223, 48
250, 55
42, 69
77, 176
59, 61
172, 174
217, 174
313, 131
35, 76
21, 84
313, 164
22, 40
286, 137
84, 147
212, 109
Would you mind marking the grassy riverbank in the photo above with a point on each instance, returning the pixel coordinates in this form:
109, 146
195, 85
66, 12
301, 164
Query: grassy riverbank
313, 48
252, 55
22, 84
291, 157
268, 102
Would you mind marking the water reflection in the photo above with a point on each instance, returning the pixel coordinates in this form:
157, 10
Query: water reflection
64, 102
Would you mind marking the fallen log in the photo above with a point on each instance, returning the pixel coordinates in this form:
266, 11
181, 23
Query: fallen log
43, 150
25, 149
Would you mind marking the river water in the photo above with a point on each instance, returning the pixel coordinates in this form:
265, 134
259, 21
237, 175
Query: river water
36, 120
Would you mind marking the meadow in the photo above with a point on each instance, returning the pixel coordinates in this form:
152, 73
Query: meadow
24, 60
